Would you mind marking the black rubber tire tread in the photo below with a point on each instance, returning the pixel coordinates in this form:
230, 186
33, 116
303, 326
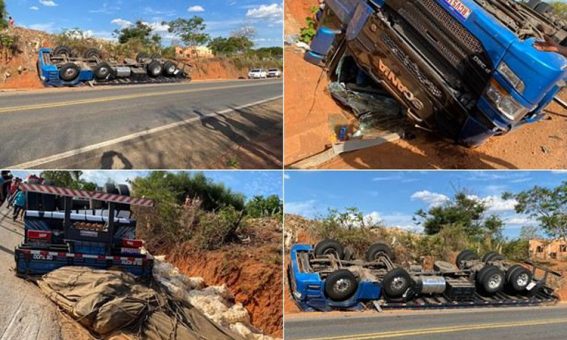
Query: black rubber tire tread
392, 292
153, 67
62, 50
92, 53
512, 277
324, 247
123, 190
465, 255
484, 275
341, 274
492, 256
110, 188
166, 68
67, 66
97, 69
378, 248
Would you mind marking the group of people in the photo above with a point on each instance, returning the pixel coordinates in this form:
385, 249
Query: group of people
12, 194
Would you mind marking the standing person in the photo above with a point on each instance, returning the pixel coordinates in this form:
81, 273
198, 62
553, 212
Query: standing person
13, 190
11, 22
19, 204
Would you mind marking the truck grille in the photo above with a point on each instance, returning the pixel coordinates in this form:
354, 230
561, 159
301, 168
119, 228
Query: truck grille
458, 55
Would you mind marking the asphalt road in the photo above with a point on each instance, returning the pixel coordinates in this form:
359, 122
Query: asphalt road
494, 323
24, 312
36, 125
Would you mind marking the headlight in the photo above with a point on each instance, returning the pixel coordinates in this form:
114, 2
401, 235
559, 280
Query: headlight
504, 102
511, 77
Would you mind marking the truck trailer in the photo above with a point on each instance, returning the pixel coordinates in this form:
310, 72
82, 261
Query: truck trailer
325, 277
466, 69
69, 227
63, 67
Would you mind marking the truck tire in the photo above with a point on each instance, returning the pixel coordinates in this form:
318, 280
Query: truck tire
102, 71
544, 8
396, 282
340, 285
155, 69
169, 68
92, 53
327, 247
518, 278
141, 56
62, 50
69, 72
377, 249
123, 190
491, 279
110, 188
492, 256
465, 255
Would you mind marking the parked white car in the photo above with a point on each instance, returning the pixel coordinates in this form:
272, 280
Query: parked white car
257, 73
274, 73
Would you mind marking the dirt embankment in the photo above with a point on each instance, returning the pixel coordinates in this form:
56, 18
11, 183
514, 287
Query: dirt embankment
216, 68
311, 116
251, 270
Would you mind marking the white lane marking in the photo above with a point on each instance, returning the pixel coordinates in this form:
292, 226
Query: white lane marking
36, 163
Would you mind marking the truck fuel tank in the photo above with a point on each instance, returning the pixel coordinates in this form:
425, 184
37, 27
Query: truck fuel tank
430, 284
123, 71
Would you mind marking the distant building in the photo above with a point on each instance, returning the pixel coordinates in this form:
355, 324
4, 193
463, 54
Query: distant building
194, 52
548, 250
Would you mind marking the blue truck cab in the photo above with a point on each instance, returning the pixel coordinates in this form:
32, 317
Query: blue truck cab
50, 74
467, 69
308, 287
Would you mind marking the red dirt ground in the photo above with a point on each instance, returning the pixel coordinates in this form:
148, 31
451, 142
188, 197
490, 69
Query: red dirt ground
252, 272
309, 109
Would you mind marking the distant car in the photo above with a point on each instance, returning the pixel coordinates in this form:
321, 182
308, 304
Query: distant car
257, 73
274, 73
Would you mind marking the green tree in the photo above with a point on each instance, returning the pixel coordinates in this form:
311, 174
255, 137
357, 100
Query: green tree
260, 206
140, 32
68, 179
191, 31
560, 8
464, 211
547, 206
3, 15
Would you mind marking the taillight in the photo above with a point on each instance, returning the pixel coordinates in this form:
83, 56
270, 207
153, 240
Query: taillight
132, 243
39, 236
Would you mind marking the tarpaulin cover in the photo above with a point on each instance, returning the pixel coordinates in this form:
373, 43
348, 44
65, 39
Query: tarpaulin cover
112, 302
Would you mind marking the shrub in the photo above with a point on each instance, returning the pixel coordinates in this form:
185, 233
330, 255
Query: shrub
216, 229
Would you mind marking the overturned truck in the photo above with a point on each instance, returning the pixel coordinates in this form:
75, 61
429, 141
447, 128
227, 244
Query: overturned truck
466, 69
63, 66
325, 277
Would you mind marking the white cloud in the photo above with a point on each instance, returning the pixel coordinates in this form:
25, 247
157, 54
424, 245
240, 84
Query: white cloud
195, 8
373, 218
121, 22
498, 204
34, 8
432, 198
286, 176
267, 12
48, 3
305, 208
158, 27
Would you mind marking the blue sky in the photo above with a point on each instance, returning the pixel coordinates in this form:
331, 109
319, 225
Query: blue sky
250, 183
101, 17
394, 197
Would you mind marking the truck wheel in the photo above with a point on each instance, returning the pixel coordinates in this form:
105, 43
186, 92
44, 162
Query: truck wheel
377, 249
340, 285
491, 279
492, 256
141, 56
110, 188
465, 255
102, 71
396, 282
169, 68
123, 190
155, 69
92, 53
327, 247
518, 277
69, 72
62, 50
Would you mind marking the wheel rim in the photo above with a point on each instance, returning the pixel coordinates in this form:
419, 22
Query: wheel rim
103, 72
522, 280
494, 281
157, 70
70, 73
398, 283
171, 69
342, 285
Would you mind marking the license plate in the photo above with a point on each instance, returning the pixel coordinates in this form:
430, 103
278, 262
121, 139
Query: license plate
42, 257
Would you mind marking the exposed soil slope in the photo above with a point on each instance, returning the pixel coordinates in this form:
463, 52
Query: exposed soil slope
252, 272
